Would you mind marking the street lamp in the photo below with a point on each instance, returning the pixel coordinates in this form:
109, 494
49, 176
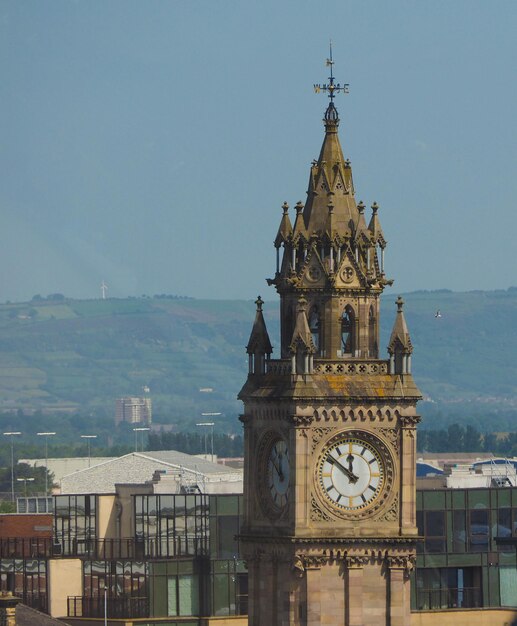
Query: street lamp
136, 431
211, 414
89, 438
25, 481
211, 424
12, 434
46, 435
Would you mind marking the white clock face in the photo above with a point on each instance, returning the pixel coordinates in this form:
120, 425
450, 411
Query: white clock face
278, 473
351, 473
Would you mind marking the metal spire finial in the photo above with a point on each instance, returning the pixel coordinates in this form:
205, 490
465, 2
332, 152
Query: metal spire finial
332, 88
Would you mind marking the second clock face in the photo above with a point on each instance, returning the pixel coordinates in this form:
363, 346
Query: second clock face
351, 473
278, 473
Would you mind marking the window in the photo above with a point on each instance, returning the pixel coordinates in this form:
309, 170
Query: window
459, 531
347, 331
504, 522
74, 524
229, 588
183, 595
431, 526
508, 585
225, 518
448, 588
372, 334
171, 525
125, 583
27, 579
314, 325
479, 530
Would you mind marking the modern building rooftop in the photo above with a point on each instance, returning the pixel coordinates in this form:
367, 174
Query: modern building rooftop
178, 470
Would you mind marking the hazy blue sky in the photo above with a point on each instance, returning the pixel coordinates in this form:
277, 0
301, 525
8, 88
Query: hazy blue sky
151, 144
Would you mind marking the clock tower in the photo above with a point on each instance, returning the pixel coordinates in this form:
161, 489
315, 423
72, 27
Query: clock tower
329, 531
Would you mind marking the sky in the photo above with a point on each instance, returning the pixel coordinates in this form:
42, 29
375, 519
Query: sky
151, 145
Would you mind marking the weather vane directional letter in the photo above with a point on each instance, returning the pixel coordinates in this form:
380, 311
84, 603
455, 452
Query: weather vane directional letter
332, 88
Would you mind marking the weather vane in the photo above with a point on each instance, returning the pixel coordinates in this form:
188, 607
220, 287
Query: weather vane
332, 87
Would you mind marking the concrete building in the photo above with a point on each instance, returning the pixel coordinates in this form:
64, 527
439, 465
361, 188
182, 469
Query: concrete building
134, 410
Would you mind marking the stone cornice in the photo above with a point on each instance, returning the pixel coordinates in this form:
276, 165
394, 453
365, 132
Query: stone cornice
325, 541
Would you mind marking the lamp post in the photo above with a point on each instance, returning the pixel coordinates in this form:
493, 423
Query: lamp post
211, 424
25, 481
46, 435
89, 438
11, 435
211, 414
139, 430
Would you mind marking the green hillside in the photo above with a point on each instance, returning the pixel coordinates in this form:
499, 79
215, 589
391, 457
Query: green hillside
78, 356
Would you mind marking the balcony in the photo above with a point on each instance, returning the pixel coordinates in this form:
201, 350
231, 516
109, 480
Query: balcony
98, 549
102, 549
25, 547
448, 598
124, 607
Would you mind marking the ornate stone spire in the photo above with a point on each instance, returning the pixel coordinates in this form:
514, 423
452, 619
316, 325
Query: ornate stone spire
375, 227
299, 231
330, 180
302, 333
285, 230
400, 339
400, 347
259, 346
259, 338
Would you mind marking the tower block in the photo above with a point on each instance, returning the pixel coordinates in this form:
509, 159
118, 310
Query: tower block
329, 427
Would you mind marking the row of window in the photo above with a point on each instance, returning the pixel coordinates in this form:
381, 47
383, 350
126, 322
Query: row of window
173, 588
165, 526
475, 530
462, 588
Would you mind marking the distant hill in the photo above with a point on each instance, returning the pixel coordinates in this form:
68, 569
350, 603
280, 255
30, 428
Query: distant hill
58, 354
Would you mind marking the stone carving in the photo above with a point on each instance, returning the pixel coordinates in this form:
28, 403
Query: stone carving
401, 561
303, 562
409, 421
356, 561
392, 436
318, 434
391, 514
302, 420
298, 565
317, 515
315, 561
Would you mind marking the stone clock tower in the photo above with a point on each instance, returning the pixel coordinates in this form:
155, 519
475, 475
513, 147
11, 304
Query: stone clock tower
330, 428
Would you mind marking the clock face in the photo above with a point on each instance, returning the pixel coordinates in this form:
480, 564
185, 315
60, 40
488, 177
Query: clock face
351, 473
278, 473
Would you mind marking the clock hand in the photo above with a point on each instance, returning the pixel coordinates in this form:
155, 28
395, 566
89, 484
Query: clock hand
280, 463
278, 469
350, 459
350, 475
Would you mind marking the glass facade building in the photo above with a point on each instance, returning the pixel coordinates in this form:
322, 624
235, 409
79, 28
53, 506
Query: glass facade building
183, 559
466, 558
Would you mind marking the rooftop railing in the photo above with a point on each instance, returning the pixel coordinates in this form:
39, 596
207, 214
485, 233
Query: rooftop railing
344, 366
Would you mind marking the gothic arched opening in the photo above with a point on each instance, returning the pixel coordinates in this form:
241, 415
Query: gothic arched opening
372, 334
315, 328
348, 332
